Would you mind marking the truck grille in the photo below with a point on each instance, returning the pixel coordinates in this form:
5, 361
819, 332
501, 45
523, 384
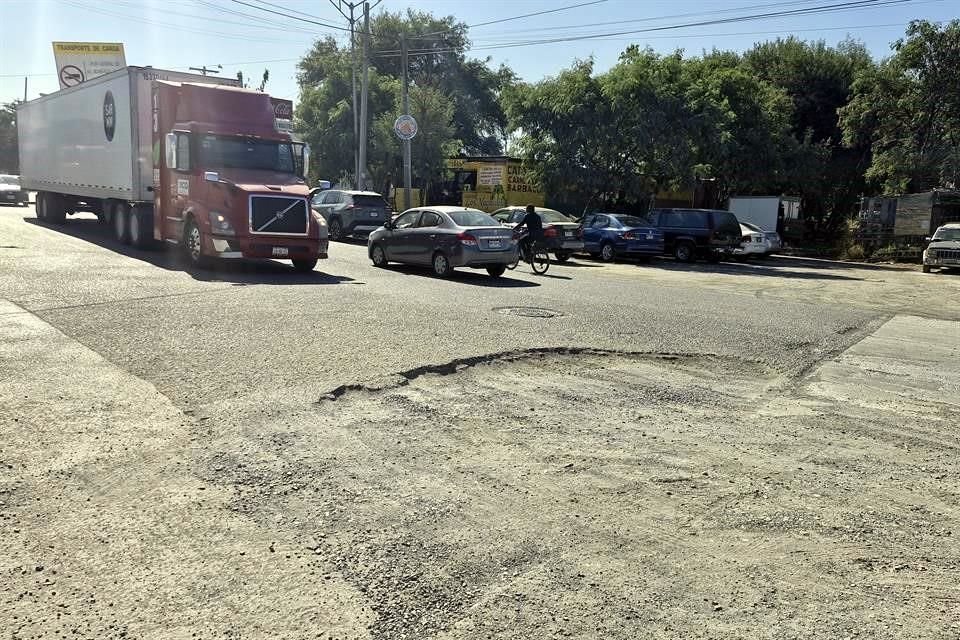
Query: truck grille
952, 255
278, 216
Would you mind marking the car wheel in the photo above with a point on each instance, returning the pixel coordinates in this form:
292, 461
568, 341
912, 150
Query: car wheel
563, 256
121, 226
441, 264
304, 265
497, 270
193, 245
335, 230
607, 252
926, 268
378, 256
684, 252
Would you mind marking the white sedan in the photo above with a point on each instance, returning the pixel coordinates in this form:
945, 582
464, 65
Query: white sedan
756, 241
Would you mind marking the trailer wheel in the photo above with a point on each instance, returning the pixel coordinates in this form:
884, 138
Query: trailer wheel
41, 206
121, 226
141, 227
55, 208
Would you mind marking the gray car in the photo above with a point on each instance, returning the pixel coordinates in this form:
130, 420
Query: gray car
350, 213
944, 249
444, 237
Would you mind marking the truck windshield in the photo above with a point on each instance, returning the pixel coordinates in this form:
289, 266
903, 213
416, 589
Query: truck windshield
233, 152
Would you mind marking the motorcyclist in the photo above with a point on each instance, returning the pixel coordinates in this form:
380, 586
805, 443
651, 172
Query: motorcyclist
534, 226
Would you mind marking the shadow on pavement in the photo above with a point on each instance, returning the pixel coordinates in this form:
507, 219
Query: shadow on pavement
473, 277
754, 269
238, 272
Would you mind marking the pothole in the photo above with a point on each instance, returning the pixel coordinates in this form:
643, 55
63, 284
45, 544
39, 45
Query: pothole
529, 312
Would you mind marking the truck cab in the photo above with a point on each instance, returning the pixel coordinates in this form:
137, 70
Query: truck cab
228, 182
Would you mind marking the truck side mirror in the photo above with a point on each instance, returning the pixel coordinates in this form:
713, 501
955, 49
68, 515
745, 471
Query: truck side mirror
171, 148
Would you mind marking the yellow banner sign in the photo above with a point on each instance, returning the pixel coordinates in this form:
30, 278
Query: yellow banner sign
80, 61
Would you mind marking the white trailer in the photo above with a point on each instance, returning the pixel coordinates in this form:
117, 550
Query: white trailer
92, 143
763, 211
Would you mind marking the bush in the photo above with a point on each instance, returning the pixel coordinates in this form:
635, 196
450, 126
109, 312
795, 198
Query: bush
855, 252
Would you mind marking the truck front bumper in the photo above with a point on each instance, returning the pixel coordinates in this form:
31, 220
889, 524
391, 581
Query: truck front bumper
265, 248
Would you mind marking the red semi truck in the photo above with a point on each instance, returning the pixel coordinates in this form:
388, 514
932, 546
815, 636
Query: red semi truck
173, 157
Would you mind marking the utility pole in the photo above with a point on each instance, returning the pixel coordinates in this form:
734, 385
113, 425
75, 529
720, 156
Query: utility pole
353, 94
405, 107
25, 88
362, 177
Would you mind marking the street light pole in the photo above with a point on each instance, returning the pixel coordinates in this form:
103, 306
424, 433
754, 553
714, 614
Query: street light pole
405, 107
353, 95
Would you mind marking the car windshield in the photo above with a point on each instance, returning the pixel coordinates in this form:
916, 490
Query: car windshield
473, 218
10, 180
633, 221
233, 152
750, 227
947, 234
549, 215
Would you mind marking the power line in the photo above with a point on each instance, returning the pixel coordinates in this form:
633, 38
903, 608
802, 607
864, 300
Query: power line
287, 15
822, 9
166, 25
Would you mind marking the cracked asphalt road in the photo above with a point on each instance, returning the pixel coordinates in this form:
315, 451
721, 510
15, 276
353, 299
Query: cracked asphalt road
171, 450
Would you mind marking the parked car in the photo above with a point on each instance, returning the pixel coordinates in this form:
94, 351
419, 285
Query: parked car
944, 248
350, 213
756, 241
10, 191
561, 233
609, 235
444, 237
697, 233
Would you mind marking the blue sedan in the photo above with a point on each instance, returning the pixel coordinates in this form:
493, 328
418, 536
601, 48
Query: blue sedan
609, 235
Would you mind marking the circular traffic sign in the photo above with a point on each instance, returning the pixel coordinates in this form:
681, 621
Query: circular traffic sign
71, 75
405, 127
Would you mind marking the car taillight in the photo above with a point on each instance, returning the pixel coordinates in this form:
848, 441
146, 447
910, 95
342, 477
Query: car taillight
550, 232
580, 233
467, 239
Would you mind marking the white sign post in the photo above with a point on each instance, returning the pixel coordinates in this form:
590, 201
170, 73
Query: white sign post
80, 61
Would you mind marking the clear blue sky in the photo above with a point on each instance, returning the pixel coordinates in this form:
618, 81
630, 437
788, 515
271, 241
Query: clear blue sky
176, 34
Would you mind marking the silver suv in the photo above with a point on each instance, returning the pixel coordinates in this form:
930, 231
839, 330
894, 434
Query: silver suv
350, 213
944, 248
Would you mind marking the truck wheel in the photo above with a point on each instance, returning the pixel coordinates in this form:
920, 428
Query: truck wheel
53, 209
141, 228
684, 252
41, 206
335, 230
121, 223
563, 256
193, 245
304, 265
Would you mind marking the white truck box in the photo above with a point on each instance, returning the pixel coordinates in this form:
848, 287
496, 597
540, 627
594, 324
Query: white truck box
762, 211
94, 140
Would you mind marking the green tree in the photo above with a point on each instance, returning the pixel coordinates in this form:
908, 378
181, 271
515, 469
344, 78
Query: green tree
9, 153
907, 111
819, 81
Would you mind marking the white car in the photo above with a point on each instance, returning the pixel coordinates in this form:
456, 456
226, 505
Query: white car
756, 241
944, 248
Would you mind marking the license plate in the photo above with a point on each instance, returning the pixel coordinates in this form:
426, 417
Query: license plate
494, 244
280, 252
373, 214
